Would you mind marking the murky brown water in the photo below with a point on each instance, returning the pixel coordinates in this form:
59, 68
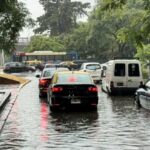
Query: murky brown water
117, 125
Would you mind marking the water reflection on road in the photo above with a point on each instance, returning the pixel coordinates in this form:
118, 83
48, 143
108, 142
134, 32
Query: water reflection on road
117, 124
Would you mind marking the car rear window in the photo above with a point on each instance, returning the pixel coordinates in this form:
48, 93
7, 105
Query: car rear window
74, 78
93, 66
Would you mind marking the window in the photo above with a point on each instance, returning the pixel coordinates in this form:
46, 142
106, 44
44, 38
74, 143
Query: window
93, 67
133, 70
119, 70
48, 73
74, 78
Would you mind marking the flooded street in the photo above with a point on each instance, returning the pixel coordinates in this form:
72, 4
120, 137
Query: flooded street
116, 125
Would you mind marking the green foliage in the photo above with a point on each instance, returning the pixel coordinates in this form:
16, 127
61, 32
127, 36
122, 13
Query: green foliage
13, 17
115, 28
39, 43
145, 73
113, 4
143, 53
76, 41
138, 31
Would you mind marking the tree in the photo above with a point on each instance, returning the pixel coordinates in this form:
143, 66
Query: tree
13, 17
60, 16
76, 41
44, 43
143, 32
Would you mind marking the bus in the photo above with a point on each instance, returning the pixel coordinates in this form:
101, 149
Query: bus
43, 56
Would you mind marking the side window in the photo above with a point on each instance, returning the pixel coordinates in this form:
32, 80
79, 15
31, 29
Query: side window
133, 70
119, 70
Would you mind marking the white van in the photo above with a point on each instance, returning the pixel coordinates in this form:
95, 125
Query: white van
122, 75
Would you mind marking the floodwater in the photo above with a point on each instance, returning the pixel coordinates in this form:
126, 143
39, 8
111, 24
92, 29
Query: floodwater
117, 125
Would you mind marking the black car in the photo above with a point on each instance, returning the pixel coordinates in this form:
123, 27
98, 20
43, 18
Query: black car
16, 67
72, 88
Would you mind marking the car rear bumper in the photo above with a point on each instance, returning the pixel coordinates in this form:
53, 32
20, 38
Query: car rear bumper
123, 90
43, 90
67, 101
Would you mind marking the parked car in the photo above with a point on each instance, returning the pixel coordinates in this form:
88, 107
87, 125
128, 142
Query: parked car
45, 79
72, 88
142, 95
122, 76
15, 67
94, 68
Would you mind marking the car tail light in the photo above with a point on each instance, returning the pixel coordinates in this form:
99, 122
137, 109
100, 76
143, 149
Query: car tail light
43, 82
92, 89
57, 89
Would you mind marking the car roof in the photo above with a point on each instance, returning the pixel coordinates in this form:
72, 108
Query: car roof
72, 72
45, 69
87, 63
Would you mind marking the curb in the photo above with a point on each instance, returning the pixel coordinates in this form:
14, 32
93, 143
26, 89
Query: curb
5, 99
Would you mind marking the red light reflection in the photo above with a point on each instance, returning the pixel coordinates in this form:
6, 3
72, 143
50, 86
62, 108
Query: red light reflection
44, 122
72, 79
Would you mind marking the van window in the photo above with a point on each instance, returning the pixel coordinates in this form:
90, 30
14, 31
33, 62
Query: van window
133, 70
119, 70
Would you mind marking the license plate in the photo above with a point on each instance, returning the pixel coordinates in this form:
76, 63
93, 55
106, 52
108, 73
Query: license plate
75, 101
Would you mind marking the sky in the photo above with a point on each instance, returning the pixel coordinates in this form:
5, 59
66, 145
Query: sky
36, 10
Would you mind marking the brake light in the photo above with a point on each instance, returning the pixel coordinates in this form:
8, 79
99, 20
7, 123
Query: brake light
92, 89
42, 82
57, 89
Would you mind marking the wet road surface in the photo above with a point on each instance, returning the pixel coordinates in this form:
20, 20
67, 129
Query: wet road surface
117, 125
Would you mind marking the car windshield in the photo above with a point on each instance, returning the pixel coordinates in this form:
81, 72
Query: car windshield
93, 66
74, 78
48, 73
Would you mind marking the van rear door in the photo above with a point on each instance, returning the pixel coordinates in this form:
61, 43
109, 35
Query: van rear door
134, 75
120, 79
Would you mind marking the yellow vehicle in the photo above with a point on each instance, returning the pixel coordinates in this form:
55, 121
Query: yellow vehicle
33, 62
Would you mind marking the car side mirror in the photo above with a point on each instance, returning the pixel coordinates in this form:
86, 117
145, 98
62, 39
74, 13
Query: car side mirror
38, 75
